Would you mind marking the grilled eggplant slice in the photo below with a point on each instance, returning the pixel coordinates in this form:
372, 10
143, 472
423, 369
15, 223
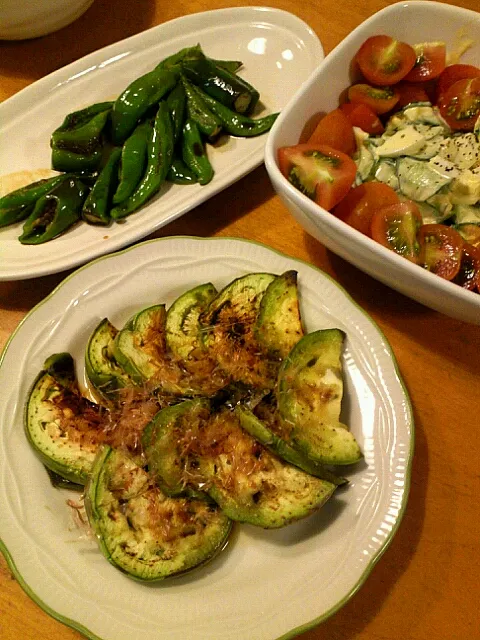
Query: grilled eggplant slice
228, 330
309, 398
195, 447
266, 436
140, 348
184, 342
279, 326
103, 371
63, 427
144, 533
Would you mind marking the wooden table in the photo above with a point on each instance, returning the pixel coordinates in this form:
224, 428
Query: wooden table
426, 586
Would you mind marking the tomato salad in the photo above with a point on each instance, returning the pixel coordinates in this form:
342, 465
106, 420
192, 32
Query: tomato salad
399, 158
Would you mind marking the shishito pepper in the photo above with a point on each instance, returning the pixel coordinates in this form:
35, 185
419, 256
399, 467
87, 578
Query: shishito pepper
133, 103
179, 173
96, 208
77, 144
55, 212
160, 153
208, 123
223, 85
177, 102
237, 124
133, 161
17, 205
194, 153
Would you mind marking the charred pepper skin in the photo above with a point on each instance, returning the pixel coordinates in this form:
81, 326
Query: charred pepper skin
96, 208
134, 102
160, 153
226, 87
55, 212
194, 153
78, 143
237, 124
17, 205
133, 161
81, 130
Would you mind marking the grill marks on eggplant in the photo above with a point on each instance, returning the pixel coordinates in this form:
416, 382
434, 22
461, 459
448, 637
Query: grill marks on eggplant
220, 409
143, 532
192, 448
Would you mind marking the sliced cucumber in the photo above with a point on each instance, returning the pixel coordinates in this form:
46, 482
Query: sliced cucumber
144, 533
420, 180
309, 398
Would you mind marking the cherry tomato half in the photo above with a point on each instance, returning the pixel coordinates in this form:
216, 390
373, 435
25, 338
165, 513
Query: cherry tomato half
409, 92
460, 104
430, 61
467, 275
379, 99
385, 61
336, 130
440, 250
320, 172
453, 73
363, 116
396, 226
360, 203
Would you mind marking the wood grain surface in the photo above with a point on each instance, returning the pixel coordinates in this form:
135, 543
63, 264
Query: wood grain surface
427, 584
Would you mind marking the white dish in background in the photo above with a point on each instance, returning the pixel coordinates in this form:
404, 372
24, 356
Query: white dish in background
417, 21
279, 52
266, 584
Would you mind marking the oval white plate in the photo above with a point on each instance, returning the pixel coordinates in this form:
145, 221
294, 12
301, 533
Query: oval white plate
279, 52
266, 584
417, 21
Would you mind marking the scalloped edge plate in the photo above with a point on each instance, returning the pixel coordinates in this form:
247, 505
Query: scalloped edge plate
265, 584
279, 52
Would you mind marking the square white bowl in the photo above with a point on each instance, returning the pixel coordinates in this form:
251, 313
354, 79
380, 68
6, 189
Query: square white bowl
415, 21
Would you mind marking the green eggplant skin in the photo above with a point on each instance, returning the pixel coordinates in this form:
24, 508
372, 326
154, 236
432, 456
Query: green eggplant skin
312, 420
248, 482
102, 370
141, 531
61, 425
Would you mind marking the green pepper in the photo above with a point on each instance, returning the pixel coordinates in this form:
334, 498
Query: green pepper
230, 65
194, 153
208, 123
137, 98
237, 124
179, 173
176, 101
17, 205
63, 160
175, 60
55, 212
221, 84
133, 161
81, 130
96, 208
160, 153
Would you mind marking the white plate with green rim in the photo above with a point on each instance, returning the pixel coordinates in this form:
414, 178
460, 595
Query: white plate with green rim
266, 584
279, 52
